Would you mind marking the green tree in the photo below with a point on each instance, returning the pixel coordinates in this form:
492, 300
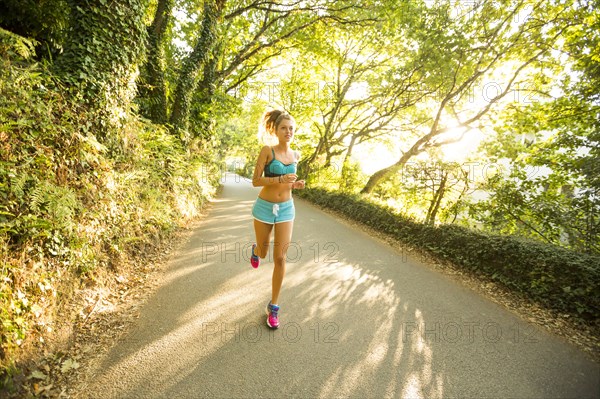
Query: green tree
103, 47
364, 94
192, 65
460, 54
552, 147
234, 42
152, 85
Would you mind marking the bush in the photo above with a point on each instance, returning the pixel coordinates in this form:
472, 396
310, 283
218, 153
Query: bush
559, 279
75, 208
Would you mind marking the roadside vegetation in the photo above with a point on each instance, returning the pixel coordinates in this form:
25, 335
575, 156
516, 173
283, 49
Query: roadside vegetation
559, 279
469, 129
86, 199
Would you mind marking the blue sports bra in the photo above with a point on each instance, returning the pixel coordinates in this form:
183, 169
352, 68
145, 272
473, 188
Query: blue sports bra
277, 168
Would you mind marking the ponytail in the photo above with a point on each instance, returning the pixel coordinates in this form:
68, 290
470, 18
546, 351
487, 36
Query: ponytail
272, 119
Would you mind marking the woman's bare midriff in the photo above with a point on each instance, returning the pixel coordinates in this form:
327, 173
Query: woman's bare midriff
278, 193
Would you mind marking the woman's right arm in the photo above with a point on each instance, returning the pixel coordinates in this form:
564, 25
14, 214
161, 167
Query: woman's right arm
258, 180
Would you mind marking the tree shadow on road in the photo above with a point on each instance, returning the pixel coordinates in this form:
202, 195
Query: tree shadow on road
358, 320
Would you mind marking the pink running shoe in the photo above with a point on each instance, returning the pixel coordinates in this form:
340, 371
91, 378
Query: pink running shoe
272, 315
254, 260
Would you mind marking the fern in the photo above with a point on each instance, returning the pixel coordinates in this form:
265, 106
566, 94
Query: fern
62, 205
57, 203
37, 198
20, 45
18, 186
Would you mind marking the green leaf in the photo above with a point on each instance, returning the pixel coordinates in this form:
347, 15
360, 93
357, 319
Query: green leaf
69, 365
38, 375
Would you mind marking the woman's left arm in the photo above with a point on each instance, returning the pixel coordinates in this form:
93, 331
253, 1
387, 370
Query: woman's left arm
298, 184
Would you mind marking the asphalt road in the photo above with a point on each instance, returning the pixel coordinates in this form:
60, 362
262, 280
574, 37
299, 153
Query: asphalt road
358, 319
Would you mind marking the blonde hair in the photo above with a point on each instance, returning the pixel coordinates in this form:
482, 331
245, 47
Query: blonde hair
272, 119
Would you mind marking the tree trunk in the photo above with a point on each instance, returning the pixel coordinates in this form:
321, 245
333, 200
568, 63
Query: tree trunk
436, 200
153, 87
384, 173
344, 181
416, 149
460, 197
206, 90
188, 80
306, 165
97, 61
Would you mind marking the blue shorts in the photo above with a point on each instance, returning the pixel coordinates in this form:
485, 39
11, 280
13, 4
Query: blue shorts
273, 212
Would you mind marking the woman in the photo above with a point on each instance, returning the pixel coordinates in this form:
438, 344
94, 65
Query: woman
274, 209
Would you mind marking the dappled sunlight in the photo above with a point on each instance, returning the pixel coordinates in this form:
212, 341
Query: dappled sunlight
195, 335
179, 273
420, 383
200, 321
235, 298
366, 368
412, 388
330, 385
356, 321
182, 273
341, 283
457, 132
382, 349
187, 206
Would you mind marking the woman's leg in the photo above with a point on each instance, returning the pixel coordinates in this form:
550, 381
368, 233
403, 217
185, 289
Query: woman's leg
283, 237
263, 237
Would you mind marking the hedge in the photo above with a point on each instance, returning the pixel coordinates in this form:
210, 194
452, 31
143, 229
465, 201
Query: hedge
555, 277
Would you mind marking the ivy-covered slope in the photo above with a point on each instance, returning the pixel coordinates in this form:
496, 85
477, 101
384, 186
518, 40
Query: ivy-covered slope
76, 206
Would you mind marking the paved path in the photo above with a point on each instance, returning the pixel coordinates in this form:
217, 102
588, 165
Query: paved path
359, 319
